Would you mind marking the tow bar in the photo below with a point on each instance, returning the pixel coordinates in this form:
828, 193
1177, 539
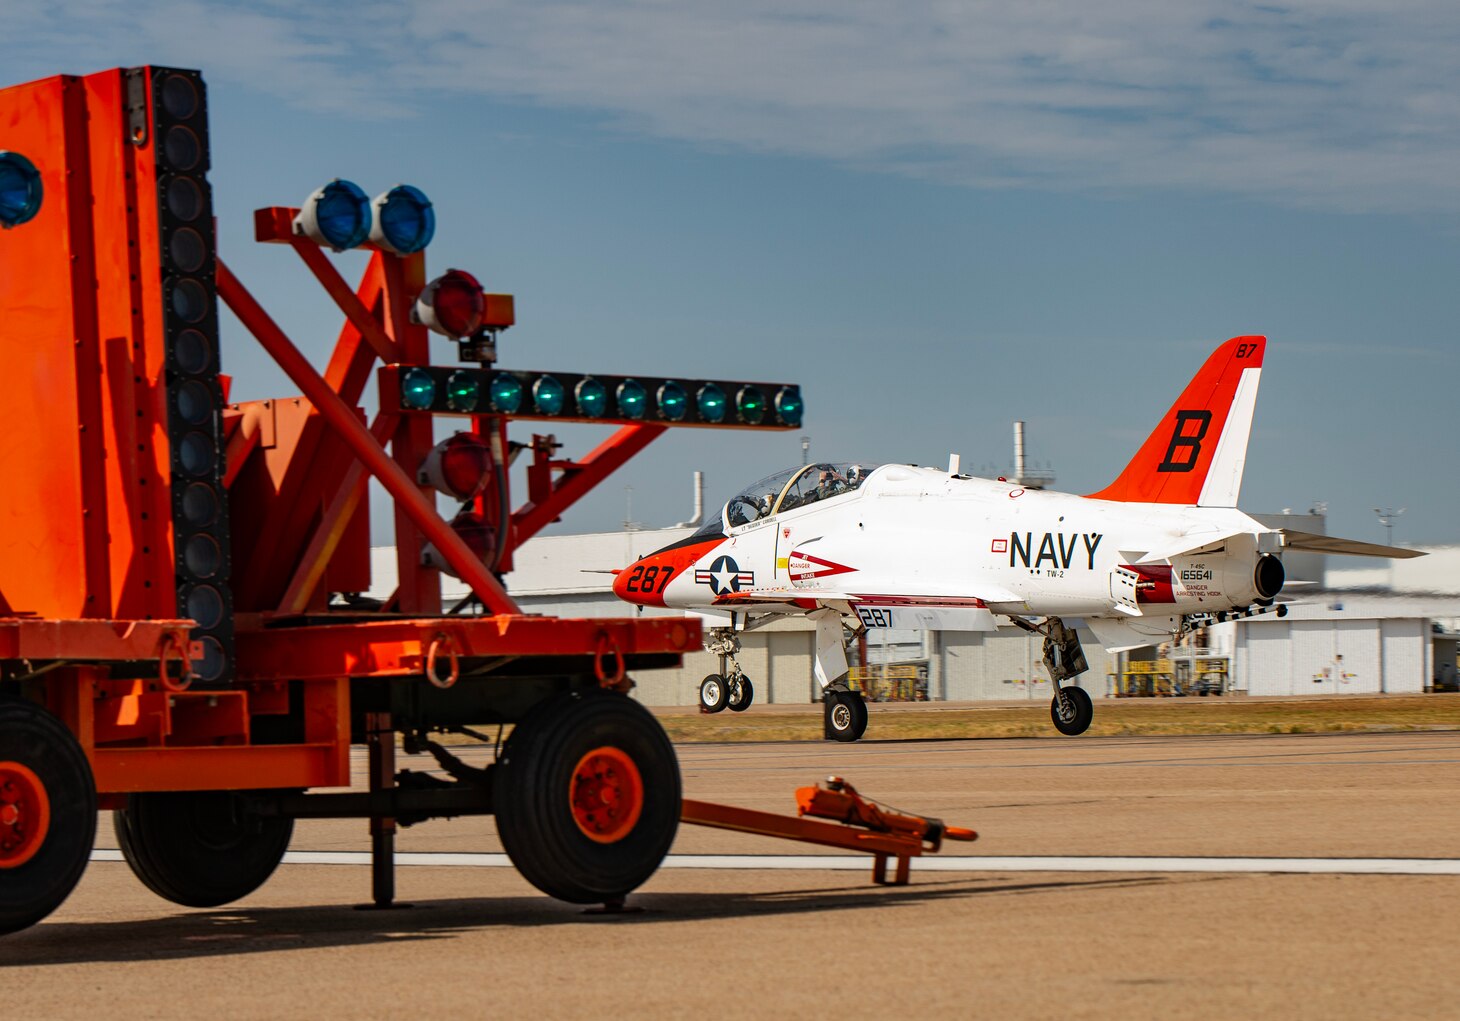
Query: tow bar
860, 825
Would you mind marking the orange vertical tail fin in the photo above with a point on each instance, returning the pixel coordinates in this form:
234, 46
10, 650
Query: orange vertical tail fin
1198, 449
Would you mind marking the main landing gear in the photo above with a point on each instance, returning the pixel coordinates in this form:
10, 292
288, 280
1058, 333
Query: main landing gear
730, 688
1071, 709
844, 714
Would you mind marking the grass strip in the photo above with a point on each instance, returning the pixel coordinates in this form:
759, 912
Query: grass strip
1164, 716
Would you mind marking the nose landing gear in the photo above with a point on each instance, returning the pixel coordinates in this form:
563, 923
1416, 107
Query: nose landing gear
730, 688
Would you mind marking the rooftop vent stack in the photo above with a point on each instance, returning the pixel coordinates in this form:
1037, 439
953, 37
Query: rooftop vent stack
1028, 478
699, 514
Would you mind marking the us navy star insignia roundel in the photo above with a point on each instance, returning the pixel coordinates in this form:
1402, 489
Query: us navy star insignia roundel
724, 576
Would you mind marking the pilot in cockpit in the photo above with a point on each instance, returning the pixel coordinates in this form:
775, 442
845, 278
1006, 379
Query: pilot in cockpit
830, 483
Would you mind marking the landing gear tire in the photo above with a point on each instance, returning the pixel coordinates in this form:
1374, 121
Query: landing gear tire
742, 693
47, 814
845, 715
199, 848
587, 796
1071, 710
714, 693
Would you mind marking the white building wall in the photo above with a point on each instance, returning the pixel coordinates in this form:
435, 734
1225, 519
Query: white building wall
1405, 643
1264, 660
1302, 657
1355, 668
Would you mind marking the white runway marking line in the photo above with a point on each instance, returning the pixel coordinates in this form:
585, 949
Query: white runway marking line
949, 863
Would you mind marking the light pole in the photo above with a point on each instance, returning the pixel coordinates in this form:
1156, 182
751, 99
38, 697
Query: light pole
1386, 518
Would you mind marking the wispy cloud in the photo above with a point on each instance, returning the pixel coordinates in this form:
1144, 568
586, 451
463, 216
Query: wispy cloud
1326, 103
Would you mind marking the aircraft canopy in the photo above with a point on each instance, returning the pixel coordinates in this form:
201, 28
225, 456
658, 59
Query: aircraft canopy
794, 487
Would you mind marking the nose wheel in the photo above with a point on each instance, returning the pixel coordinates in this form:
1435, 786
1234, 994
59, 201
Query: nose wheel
718, 692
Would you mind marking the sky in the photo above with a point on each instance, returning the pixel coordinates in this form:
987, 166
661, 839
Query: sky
937, 217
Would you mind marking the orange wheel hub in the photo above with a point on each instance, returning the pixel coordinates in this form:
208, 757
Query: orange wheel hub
607, 794
25, 814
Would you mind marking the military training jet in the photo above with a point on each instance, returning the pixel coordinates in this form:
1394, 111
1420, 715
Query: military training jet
1159, 551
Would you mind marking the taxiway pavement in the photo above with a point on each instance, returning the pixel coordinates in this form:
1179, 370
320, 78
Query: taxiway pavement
744, 942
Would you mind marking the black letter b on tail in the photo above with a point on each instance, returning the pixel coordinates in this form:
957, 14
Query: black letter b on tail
1183, 440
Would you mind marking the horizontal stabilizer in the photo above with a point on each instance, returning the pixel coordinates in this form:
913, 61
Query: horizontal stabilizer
1308, 542
1189, 545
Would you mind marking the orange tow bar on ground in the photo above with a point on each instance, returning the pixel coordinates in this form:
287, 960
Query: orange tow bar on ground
860, 825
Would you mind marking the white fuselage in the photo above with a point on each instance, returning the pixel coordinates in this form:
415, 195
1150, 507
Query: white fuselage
919, 532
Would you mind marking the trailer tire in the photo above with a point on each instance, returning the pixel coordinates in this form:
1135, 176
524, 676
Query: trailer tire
47, 814
587, 796
199, 848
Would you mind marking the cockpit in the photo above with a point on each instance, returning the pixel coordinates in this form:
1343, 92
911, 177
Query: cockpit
795, 487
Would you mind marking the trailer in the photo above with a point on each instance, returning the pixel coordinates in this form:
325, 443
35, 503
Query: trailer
183, 639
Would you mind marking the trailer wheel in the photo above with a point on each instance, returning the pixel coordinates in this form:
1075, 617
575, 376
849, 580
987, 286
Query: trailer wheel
587, 796
47, 814
199, 848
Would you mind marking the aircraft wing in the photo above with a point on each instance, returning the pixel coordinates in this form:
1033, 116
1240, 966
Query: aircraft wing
920, 612
820, 595
1308, 542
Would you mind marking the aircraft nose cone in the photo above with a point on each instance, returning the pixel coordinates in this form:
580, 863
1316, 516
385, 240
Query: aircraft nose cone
620, 586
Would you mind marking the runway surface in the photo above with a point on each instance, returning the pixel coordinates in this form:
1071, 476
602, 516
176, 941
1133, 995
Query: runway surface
938, 863
1292, 876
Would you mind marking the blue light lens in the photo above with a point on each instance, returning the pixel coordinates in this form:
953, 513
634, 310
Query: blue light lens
788, 406
405, 221
506, 393
547, 395
592, 397
711, 402
673, 402
633, 400
20, 189
750, 405
417, 389
343, 214
463, 391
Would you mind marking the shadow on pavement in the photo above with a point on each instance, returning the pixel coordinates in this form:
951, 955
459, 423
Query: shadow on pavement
226, 932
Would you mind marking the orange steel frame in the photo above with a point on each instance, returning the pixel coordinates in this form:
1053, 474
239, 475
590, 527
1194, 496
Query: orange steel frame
88, 599
89, 628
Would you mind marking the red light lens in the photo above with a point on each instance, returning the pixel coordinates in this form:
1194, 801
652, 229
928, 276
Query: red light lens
459, 303
475, 532
464, 465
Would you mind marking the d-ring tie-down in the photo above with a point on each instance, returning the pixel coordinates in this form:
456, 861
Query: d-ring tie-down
171, 640
442, 639
606, 645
